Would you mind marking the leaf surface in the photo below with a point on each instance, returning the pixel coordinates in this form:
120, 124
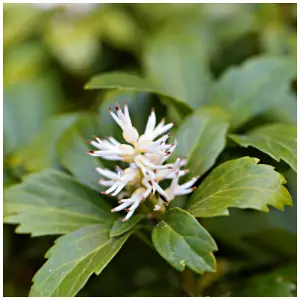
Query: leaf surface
119, 227
72, 147
125, 81
253, 87
40, 152
178, 64
277, 140
74, 258
182, 241
201, 138
239, 183
52, 202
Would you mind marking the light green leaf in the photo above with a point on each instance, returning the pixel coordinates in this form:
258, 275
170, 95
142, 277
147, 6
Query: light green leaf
277, 140
201, 138
182, 241
72, 147
124, 81
253, 87
51, 202
120, 227
73, 259
40, 152
179, 65
239, 183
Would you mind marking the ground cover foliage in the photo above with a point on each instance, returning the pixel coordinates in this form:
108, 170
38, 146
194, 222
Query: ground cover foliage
226, 73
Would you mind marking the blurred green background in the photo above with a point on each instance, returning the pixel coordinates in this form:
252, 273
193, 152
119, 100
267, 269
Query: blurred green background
52, 50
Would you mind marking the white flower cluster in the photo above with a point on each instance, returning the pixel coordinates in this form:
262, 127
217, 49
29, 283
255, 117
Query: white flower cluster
146, 157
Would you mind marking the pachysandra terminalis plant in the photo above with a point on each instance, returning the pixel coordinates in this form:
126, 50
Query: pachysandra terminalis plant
146, 158
144, 184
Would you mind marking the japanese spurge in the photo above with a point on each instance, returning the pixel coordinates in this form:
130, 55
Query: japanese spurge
146, 155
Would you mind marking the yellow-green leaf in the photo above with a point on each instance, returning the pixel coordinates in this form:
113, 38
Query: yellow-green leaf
239, 183
277, 140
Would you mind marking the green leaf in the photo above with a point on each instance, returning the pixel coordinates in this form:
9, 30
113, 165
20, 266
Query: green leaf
182, 241
51, 202
179, 65
202, 145
40, 152
277, 140
284, 111
26, 107
72, 147
124, 81
120, 227
239, 183
266, 285
73, 259
253, 87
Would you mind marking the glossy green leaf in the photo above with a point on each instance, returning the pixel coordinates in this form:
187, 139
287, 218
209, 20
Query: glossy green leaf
266, 285
277, 140
239, 183
201, 138
51, 202
182, 241
179, 65
74, 258
120, 227
40, 152
253, 87
72, 147
124, 81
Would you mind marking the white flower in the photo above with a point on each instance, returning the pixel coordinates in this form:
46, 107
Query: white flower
146, 157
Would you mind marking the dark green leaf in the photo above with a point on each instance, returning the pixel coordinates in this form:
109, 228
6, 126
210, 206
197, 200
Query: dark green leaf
74, 258
201, 138
277, 140
124, 81
182, 241
239, 183
254, 87
179, 65
72, 147
40, 152
120, 227
51, 202
266, 285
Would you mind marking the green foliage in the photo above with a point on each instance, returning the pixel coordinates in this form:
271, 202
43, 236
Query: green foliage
239, 183
201, 148
63, 204
74, 258
182, 241
277, 140
254, 87
225, 73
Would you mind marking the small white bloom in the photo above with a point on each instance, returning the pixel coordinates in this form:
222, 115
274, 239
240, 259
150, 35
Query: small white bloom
146, 157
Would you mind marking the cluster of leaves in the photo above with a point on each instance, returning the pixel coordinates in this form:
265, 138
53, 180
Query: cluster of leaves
50, 187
